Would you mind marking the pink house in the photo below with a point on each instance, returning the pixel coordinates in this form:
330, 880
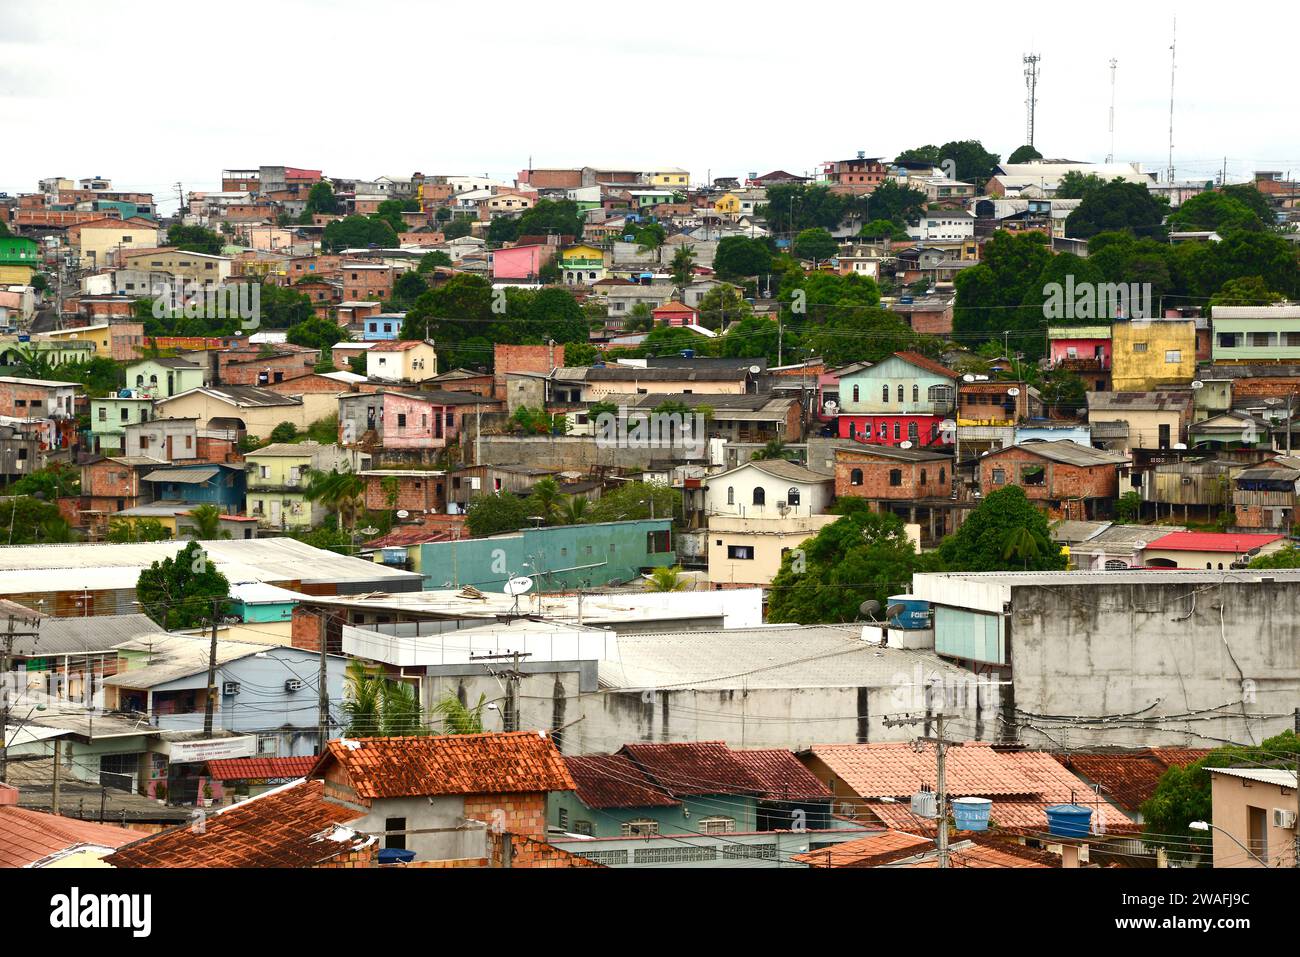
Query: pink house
521, 262
398, 420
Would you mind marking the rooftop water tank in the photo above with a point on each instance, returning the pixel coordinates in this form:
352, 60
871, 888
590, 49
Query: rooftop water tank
915, 614
1069, 820
971, 813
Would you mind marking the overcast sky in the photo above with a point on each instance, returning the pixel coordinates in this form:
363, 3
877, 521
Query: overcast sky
151, 93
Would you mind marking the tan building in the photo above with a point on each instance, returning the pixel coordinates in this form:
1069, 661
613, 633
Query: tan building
1254, 812
234, 409
99, 242
180, 264
749, 551
402, 361
1156, 420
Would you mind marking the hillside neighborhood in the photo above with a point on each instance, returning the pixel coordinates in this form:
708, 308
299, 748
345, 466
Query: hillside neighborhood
928, 509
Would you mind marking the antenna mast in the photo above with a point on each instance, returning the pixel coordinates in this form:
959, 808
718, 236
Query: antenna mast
1031, 102
1110, 157
1169, 173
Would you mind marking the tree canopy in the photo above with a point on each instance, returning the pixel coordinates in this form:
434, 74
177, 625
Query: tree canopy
178, 592
1005, 533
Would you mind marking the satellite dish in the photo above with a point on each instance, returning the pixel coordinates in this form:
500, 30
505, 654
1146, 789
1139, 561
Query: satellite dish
1180, 445
948, 425
1013, 391
893, 611
518, 586
904, 444
1198, 384
869, 607
1139, 545
403, 513
968, 377
830, 406
755, 370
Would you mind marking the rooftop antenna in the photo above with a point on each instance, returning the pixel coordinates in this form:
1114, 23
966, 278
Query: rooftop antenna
1031, 102
1110, 157
1173, 54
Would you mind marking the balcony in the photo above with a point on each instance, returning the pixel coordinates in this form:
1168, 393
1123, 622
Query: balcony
1083, 364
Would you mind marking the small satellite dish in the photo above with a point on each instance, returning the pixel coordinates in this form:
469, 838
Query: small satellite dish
1180, 445
1198, 384
893, 611
1139, 545
755, 370
869, 607
1013, 391
831, 406
904, 444
403, 513
968, 377
518, 586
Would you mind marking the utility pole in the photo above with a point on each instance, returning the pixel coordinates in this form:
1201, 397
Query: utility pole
941, 745
1110, 157
6, 652
211, 705
510, 719
1173, 66
1295, 850
54, 800
322, 683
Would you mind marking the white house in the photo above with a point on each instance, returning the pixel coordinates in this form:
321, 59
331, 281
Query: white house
770, 489
943, 224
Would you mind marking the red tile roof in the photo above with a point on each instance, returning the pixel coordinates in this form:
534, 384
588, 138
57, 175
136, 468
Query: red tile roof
26, 836
611, 780
926, 363
895, 770
688, 768
1129, 779
1211, 542
236, 769
980, 856
510, 763
292, 826
396, 345
870, 851
782, 776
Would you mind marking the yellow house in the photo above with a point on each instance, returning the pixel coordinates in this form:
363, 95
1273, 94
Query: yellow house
97, 241
232, 409
582, 265
728, 204
100, 336
181, 264
402, 360
1150, 354
673, 177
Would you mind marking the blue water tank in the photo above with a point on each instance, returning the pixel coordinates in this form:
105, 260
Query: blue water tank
915, 614
688, 353
971, 813
1069, 820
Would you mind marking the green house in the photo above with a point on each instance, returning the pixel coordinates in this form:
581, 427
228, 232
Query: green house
556, 558
164, 377
110, 417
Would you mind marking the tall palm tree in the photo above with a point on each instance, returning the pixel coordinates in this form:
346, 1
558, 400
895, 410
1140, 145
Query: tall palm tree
361, 700
459, 718
775, 449
32, 364
340, 492
206, 525
575, 509
377, 705
1024, 544
547, 497
667, 579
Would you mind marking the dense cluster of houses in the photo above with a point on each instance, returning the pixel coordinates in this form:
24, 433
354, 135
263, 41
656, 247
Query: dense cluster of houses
637, 727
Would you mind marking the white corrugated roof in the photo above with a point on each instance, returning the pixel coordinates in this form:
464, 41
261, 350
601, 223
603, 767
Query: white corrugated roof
1279, 776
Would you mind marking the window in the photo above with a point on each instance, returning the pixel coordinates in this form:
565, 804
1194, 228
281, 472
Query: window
792, 496
1257, 831
397, 841
922, 476
731, 495
855, 477
564, 818
401, 420
1263, 340
582, 827
1231, 340
884, 431
1139, 347
855, 393
126, 415
657, 542
1173, 355
884, 393
642, 827
943, 476
717, 825
913, 433
898, 431
896, 477
916, 393
103, 414
1033, 475
900, 392
1292, 339
742, 552
760, 496
268, 745
999, 477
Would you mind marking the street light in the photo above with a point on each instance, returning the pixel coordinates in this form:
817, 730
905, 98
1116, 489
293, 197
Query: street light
1207, 826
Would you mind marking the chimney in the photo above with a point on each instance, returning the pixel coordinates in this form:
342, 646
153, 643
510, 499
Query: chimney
8, 795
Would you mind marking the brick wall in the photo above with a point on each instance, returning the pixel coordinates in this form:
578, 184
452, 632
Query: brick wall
363, 857
516, 813
306, 628
507, 359
243, 368
527, 852
1061, 482
876, 477
413, 494
1265, 387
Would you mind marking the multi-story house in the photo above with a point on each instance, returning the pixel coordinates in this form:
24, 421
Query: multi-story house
109, 418
164, 377
402, 361
1256, 334
277, 475
914, 484
1071, 481
904, 398
1083, 350
1153, 354
988, 412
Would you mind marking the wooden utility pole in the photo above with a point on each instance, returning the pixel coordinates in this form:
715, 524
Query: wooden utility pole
6, 652
210, 707
941, 745
322, 681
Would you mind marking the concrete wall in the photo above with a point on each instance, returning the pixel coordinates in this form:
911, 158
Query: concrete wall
1156, 650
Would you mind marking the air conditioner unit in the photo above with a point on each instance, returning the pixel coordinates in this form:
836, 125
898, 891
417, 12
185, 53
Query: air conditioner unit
1283, 818
293, 684
230, 688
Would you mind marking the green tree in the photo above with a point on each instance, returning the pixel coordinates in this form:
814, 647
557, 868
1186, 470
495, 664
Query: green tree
179, 593
667, 579
1183, 796
816, 244
1077, 185
545, 500
1288, 557
1117, 206
896, 204
340, 492
407, 288
548, 216
317, 333
752, 339
206, 524
1214, 211
121, 530
431, 261
723, 305
358, 232
574, 510
284, 432
1128, 507
31, 520
637, 500
1005, 533
974, 164
56, 480
495, 513
775, 449
320, 199
502, 230
1244, 291
377, 705
682, 266
580, 354
739, 257
458, 717
195, 239
863, 555
456, 228
1024, 154
920, 154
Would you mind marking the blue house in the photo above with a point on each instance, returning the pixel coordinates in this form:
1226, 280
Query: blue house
383, 327
207, 483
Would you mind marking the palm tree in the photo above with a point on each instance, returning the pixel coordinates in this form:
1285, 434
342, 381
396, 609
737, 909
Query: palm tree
575, 510
340, 492
460, 718
206, 525
667, 579
361, 700
1024, 544
775, 449
546, 496
399, 708
377, 705
682, 266
32, 364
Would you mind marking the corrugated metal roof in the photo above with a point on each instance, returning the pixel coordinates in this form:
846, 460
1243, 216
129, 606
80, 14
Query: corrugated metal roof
195, 476
1279, 776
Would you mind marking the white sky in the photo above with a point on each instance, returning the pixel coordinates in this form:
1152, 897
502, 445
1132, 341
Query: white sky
149, 93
